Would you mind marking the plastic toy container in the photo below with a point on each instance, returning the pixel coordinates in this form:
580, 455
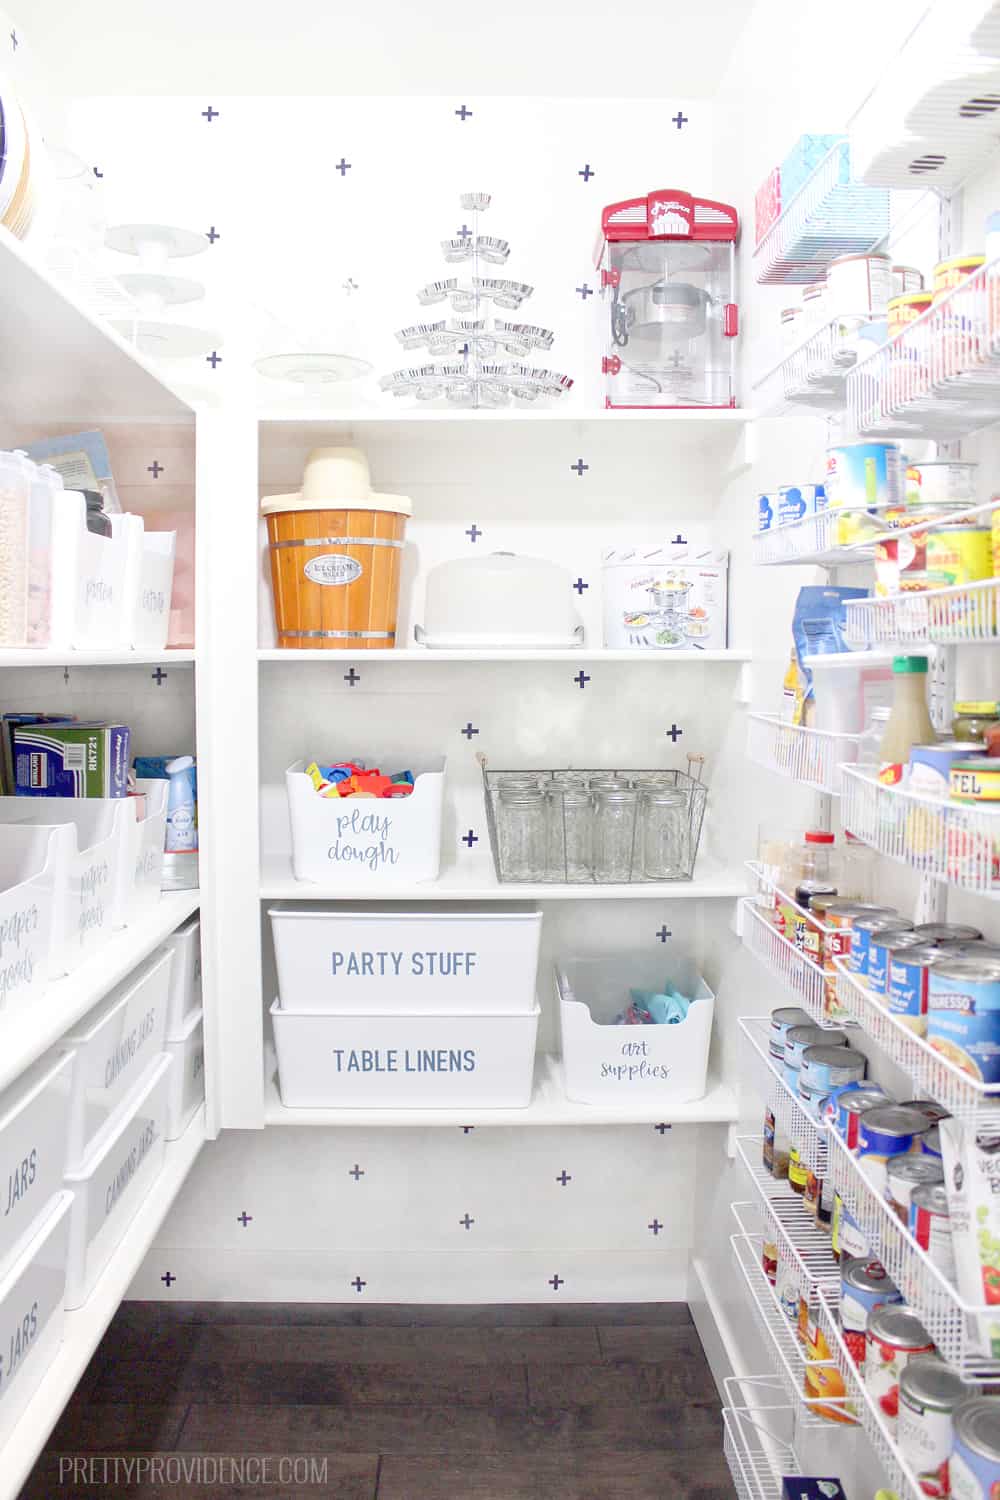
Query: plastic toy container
187, 1077
33, 1115
375, 842
32, 1293
28, 863
603, 1061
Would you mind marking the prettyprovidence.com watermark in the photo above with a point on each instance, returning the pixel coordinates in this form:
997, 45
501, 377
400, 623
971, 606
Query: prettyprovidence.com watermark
220, 1470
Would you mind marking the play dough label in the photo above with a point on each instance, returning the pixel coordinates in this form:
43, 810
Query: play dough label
333, 569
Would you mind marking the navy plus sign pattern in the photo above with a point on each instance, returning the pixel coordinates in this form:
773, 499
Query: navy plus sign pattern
585, 291
168, 1279
343, 166
467, 1222
580, 468
468, 1129
352, 678
155, 468
661, 1129
674, 733
470, 838
473, 533
581, 678
579, 585
586, 172
564, 1177
244, 1218
556, 1281
214, 359
656, 1226
159, 676
464, 114
356, 1172
213, 234
358, 1284
98, 172
680, 119
210, 114
469, 731
664, 933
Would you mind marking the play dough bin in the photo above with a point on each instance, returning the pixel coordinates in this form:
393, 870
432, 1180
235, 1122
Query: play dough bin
376, 842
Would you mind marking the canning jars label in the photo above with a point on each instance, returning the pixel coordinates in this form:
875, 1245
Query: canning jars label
333, 569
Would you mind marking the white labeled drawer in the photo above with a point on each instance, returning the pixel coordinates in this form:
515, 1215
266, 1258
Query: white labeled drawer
187, 1076
404, 1062
31, 1312
33, 1116
114, 1046
110, 1186
185, 977
428, 962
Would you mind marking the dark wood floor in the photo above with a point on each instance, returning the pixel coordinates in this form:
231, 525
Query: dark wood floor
477, 1403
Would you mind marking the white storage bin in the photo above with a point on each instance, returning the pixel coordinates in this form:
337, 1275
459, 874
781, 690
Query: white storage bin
31, 1312
149, 582
187, 1076
33, 1115
114, 1046
147, 838
437, 962
404, 1062
847, 685
377, 842
89, 577
185, 975
28, 860
602, 1062
109, 1187
93, 870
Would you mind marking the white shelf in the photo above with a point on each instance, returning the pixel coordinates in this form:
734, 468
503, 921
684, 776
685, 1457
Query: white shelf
26, 1035
693, 658
51, 657
758, 1436
58, 363
670, 417
476, 881
791, 1115
812, 757
549, 1106
85, 1328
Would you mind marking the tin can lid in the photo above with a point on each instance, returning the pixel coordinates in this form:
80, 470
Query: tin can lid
894, 1120
928, 1381
883, 924
859, 1098
917, 952
790, 1015
911, 299
948, 932
896, 1325
968, 968
867, 1275
977, 1425
826, 1056
922, 1170
813, 1035
932, 1195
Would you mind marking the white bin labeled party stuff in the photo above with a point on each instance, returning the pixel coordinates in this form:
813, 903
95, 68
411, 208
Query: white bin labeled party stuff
28, 860
404, 1062
109, 1187
185, 974
377, 841
187, 1077
114, 1046
94, 873
149, 583
141, 890
33, 1114
31, 1312
605, 1062
434, 961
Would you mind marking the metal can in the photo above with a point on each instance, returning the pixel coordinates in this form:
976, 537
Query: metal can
880, 948
959, 555
825, 1067
798, 1039
861, 931
863, 475
864, 1285
947, 932
894, 1336
766, 505
847, 1240
974, 1466
798, 1172
838, 917
849, 1104
929, 1392
975, 780
769, 1260
774, 1146
884, 1133
906, 308
930, 1225
906, 279
860, 283
963, 1015
930, 1144
782, 1020
903, 1175
813, 1097
929, 1108
948, 274
909, 970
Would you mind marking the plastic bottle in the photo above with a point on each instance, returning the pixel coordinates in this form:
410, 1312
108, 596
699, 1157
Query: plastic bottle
909, 722
182, 816
856, 877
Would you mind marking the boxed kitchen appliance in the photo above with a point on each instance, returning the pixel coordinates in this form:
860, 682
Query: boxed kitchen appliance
665, 596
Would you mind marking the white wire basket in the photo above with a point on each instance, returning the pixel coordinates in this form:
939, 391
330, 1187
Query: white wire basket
805, 1246
812, 757
813, 540
955, 842
939, 377
830, 215
967, 614
932, 1075
950, 1321
815, 373
759, 1431
802, 979
807, 1135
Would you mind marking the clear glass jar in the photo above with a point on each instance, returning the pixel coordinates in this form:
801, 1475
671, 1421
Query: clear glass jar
609, 781
569, 822
666, 842
615, 834
521, 832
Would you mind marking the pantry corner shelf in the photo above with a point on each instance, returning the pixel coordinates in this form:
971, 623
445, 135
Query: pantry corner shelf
549, 1106
57, 657
597, 654
25, 1035
84, 1329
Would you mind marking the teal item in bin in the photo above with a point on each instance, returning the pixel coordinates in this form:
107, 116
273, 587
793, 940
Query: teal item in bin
649, 1008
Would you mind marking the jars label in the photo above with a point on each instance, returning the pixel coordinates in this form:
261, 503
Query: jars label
333, 569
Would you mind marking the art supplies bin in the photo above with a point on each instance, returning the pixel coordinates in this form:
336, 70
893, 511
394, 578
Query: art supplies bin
436, 961
603, 1062
28, 862
32, 1292
404, 1061
376, 842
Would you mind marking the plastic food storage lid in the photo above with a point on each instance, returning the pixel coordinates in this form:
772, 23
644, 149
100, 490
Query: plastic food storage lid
819, 836
909, 664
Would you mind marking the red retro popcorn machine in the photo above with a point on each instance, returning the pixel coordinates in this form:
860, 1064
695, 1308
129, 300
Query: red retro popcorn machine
668, 267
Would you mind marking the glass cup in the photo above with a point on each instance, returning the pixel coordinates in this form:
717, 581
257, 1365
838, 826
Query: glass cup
521, 832
666, 838
615, 810
569, 823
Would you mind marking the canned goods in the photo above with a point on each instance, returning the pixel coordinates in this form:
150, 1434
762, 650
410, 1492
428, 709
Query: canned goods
766, 505
813, 1098
930, 1225
909, 970
930, 1144
948, 274
975, 780
863, 475
774, 1147
798, 1039
959, 554
929, 1392
907, 308
894, 1337
858, 284
864, 1285
963, 1015
940, 482
883, 1133
947, 932
974, 1466
903, 1175
847, 1104
827, 1067
861, 932
838, 918
929, 1108
769, 1260
880, 949
782, 1020
847, 1240
798, 1172
906, 279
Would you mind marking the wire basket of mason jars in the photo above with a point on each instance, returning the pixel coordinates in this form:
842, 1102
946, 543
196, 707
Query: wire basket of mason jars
594, 827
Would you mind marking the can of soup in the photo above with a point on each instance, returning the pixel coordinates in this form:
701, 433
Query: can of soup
880, 949
886, 1132
903, 1175
929, 1392
813, 1097
849, 1103
838, 918
861, 932
909, 983
930, 1225
947, 932
864, 1285
906, 308
963, 1015
894, 1337
782, 1020
825, 1067
930, 1144
974, 1466
959, 555
798, 1039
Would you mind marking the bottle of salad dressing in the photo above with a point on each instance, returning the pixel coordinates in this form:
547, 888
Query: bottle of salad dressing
909, 723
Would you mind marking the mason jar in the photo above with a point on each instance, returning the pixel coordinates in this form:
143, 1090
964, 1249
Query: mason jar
666, 840
521, 832
614, 834
569, 821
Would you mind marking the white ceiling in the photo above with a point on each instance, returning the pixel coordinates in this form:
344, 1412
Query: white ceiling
567, 48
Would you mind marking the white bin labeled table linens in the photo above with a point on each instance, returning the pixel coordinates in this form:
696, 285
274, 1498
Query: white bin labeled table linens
31, 1312
185, 974
33, 1114
603, 1062
109, 1188
378, 841
187, 1076
404, 1062
114, 1046
435, 961
28, 859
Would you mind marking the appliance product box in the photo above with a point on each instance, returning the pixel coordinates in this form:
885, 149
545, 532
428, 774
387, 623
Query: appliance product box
665, 596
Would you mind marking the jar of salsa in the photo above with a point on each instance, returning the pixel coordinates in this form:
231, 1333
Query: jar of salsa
973, 720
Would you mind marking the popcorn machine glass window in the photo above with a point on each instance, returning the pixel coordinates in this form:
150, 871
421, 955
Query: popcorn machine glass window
668, 270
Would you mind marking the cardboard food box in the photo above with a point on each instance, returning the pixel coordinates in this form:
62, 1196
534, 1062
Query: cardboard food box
669, 596
71, 760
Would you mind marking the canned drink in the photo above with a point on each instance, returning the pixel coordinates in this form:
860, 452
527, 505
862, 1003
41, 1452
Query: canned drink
903, 1175
885, 1132
880, 950
909, 983
864, 1285
894, 1336
849, 1103
828, 1067
861, 933
963, 1015
782, 1020
929, 1392
848, 1242
930, 1225
974, 1466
